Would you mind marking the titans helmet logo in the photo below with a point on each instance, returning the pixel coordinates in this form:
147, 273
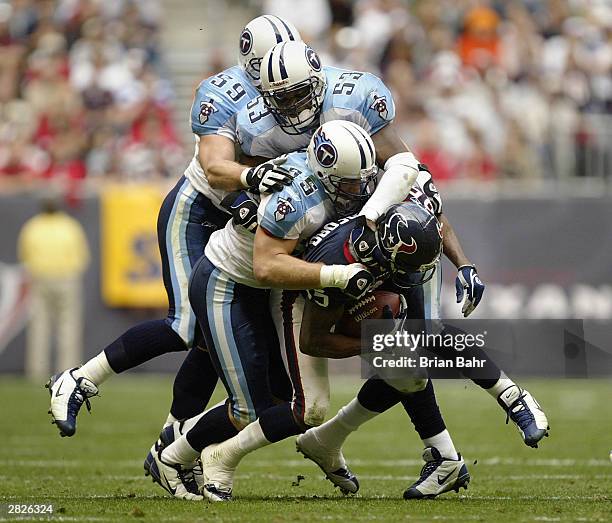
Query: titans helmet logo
207, 108
246, 42
325, 151
380, 106
283, 208
313, 59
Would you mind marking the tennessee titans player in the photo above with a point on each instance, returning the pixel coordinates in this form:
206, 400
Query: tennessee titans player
188, 215
232, 305
298, 94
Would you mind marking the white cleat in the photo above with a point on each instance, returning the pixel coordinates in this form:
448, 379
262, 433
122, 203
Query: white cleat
438, 475
68, 394
179, 481
217, 473
330, 461
525, 412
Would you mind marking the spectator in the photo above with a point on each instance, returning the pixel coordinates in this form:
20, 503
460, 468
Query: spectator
53, 249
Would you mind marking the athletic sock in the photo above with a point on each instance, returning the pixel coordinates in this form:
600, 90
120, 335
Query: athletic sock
213, 426
188, 424
97, 369
501, 385
180, 451
333, 432
193, 385
252, 438
141, 343
246, 441
443, 443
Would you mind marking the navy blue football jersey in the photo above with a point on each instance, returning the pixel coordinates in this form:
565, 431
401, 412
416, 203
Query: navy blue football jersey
330, 245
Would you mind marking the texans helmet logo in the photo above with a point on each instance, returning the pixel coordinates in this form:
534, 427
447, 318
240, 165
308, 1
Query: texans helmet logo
283, 208
207, 108
313, 59
325, 151
246, 42
392, 240
380, 106
408, 248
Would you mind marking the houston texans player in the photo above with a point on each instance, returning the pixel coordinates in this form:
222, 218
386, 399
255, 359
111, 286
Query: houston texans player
188, 215
401, 254
298, 94
352, 242
234, 313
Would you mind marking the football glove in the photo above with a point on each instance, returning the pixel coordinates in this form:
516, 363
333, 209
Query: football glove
468, 282
353, 279
267, 177
243, 209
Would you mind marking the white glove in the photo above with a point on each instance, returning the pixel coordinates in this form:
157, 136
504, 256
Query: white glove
353, 279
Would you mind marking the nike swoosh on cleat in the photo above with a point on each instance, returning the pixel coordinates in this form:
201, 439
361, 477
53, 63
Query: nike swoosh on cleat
57, 394
441, 482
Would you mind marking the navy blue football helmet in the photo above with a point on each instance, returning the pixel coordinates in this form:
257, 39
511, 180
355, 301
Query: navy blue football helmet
410, 239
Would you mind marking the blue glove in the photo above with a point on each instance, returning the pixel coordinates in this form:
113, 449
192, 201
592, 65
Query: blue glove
468, 280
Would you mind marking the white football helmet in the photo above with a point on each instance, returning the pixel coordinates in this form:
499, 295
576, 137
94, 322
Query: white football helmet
342, 155
257, 37
293, 85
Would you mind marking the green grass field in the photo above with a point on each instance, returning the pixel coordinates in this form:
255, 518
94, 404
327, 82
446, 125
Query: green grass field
97, 475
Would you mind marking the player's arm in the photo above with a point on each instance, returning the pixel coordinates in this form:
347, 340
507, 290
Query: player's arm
317, 340
217, 157
274, 266
451, 245
401, 171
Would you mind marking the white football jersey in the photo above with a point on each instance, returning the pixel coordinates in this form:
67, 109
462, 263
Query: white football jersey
296, 212
355, 96
217, 101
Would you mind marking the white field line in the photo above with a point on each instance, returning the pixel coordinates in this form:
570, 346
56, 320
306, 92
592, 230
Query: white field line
495, 460
285, 477
288, 498
288, 477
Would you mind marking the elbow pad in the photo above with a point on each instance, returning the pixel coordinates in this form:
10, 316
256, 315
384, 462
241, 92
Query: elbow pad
401, 171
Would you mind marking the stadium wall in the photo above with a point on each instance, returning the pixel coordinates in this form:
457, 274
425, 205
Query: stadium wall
540, 257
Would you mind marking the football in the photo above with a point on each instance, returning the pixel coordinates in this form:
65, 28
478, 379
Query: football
370, 307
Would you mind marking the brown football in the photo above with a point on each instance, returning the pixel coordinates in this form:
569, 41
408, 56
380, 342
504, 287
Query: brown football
370, 307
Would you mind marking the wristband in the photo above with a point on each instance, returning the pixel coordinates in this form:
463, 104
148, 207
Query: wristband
332, 276
243, 177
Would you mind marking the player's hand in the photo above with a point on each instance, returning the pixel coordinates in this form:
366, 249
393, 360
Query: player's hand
268, 177
243, 209
468, 282
354, 279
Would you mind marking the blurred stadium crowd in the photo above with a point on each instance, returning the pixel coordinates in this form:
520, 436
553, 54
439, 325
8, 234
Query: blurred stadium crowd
484, 89
82, 91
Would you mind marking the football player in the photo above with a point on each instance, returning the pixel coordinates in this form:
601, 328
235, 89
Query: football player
233, 310
400, 239
402, 255
308, 374
298, 94
188, 215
